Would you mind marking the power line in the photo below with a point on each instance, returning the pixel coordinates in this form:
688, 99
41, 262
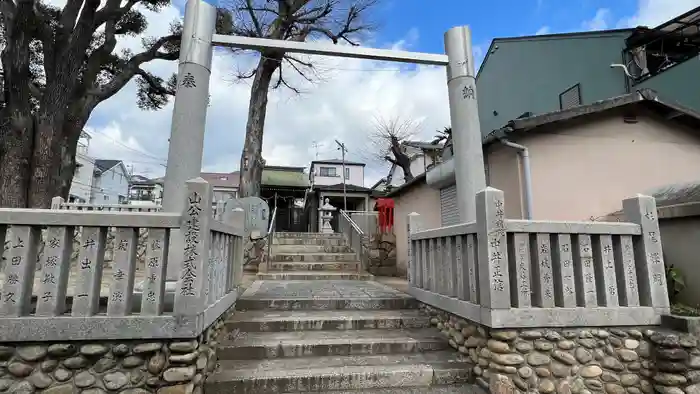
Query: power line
129, 148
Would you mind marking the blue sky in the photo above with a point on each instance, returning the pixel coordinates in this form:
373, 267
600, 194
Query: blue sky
497, 18
350, 93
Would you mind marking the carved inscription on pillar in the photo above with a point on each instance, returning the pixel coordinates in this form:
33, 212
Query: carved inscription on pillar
191, 257
496, 241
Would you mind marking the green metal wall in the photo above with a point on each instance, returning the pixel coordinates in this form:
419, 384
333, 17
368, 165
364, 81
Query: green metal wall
680, 83
528, 74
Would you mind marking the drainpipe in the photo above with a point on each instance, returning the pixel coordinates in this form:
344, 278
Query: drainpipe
527, 181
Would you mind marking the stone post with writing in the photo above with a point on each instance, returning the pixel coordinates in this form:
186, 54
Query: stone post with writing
494, 290
196, 216
648, 254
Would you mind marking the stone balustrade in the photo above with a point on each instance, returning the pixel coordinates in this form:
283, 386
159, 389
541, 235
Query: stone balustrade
523, 273
36, 303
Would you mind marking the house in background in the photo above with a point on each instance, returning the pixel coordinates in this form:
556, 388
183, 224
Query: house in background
144, 191
111, 182
327, 183
82, 183
224, 184
583, 162
525, 76
330, 172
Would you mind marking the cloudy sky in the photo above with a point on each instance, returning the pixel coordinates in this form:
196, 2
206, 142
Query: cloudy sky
352, 92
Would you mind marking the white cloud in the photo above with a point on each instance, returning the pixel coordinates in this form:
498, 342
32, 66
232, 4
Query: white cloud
543, 30
340, 107
599, 22
652, 13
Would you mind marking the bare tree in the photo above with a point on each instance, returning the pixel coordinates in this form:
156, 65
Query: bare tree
387, 138
341, 21
58, 64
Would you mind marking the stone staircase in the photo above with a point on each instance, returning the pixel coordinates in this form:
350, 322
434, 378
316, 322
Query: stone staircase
305, 256
335, 336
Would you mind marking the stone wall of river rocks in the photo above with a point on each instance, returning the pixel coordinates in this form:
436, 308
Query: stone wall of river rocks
123, 367
631, 360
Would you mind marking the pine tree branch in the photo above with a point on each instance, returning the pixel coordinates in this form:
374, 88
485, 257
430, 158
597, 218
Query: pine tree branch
154, 83
132, 66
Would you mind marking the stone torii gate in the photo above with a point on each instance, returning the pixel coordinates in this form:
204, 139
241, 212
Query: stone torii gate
192, 96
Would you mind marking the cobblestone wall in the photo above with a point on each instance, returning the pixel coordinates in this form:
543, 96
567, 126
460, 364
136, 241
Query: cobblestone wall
124, 367
639, 360
382, 254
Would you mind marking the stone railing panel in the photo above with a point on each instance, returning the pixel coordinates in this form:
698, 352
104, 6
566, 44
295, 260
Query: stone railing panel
526, 273
53, 296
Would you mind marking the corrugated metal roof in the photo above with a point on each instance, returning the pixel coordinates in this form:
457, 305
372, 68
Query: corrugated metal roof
280, 177
337, 161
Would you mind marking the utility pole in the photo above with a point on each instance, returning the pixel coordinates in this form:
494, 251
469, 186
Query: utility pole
316, 145
342, 148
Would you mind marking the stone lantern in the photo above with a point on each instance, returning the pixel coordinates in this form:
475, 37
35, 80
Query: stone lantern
326, 211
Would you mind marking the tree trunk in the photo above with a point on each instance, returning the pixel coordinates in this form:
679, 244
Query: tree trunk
17, 125
251, 158
401, 159
15, 158
46, 162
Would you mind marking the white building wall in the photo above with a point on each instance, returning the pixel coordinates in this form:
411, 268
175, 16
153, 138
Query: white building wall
110, 185
356, 175
81, 186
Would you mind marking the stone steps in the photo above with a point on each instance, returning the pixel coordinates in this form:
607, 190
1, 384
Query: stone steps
339, 373
337, 337
267, 345
282, 235
352, 266
310, 257
308, 241
270, 321
276, 248
315, 275
449, 389
325, 304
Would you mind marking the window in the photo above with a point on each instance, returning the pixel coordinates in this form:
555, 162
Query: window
571, 97
327, 171
347, 173
106, 198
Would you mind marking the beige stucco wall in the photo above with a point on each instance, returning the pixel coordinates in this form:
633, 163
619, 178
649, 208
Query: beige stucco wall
680, 238
423, 200
584, 169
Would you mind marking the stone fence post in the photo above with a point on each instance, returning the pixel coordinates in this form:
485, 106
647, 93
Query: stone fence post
648, 253
413, 225
494, 291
